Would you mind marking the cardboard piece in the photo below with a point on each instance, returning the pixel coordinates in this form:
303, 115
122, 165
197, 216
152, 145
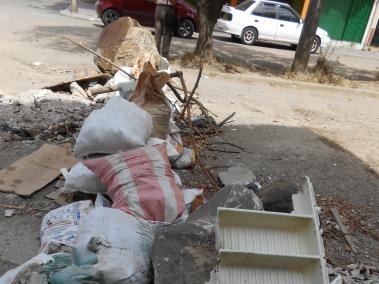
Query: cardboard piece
31, 173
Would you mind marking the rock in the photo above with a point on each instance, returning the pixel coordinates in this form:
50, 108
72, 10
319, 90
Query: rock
27, 116
277, 196
183, 254
122, 42
11, 196
187, 252
60, 137
236, 176
16, 102
230, 196
76, 90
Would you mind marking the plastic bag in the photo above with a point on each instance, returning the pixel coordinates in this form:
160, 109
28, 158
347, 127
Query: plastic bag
82, 179
186, 159
126, 85
61, 225
126, 257
118, 126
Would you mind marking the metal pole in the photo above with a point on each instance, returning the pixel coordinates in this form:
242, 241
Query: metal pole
74, 6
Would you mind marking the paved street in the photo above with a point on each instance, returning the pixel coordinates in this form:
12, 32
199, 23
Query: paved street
39, 34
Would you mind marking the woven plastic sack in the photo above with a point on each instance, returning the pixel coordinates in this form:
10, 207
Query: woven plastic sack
118, 126
141, 182
62, 224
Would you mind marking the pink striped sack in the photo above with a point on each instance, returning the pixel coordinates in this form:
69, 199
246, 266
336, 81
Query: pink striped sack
141, 182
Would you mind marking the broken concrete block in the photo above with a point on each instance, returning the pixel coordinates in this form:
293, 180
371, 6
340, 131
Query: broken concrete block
236, 176
122, 42
277, 196
231, 197
187, 252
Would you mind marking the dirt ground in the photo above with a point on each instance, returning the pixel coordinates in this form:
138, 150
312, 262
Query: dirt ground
288, 129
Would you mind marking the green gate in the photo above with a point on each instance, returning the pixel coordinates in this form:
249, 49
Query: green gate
346, 19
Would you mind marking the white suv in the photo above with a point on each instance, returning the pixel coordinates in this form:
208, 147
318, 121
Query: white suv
254, 20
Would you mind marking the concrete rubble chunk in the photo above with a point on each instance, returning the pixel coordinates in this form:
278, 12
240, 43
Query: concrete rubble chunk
236, 176
187, 252
123, 41
277, 196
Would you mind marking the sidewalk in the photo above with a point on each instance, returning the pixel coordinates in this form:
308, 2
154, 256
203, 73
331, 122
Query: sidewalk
86, 11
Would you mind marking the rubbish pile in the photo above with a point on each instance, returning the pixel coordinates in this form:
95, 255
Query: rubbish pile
126, 216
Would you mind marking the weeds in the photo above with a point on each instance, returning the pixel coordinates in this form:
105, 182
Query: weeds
323, 72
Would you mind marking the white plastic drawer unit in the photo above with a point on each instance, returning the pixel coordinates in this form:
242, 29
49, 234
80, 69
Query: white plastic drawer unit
259, 247
267, 248
266, 232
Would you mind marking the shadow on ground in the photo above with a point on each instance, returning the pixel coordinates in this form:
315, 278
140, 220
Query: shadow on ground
263, 62
53, 37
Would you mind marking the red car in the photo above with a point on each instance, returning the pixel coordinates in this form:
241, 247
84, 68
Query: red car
144, 10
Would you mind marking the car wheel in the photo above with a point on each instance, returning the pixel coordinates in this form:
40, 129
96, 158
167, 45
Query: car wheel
185, 29
109, 16
249, 36
315, 44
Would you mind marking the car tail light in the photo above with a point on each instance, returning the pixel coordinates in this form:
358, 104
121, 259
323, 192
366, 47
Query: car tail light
226, 16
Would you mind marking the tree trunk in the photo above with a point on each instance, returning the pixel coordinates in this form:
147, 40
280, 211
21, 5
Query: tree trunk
208, 12
303, 50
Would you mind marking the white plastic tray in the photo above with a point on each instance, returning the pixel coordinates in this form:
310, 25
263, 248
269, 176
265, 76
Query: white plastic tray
271, 248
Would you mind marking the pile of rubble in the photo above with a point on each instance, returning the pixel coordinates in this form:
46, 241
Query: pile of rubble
133, 221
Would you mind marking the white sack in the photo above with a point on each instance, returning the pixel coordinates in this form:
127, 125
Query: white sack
125, 256
82, 179
118, 126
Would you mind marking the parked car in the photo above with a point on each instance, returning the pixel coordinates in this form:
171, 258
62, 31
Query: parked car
263, 20
144, 10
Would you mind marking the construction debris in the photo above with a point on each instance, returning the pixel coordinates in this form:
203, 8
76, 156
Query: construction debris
123, 42
236, 176
131, 215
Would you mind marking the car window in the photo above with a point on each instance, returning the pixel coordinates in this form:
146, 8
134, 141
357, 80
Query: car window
286, 14
266, 10
245, 5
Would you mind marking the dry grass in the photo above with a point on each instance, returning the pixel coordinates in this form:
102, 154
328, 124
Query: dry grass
189, 60
323, 72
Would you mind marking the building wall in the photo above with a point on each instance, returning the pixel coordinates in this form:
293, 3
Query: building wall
346, 20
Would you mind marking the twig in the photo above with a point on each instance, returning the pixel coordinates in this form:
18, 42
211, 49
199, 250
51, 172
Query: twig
345, 232
197, 155
176, 93
228, 143
226, 120
192, 92
223, 151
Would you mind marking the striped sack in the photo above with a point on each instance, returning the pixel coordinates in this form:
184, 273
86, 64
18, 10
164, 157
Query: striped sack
141, 182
